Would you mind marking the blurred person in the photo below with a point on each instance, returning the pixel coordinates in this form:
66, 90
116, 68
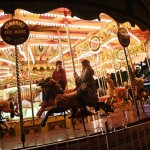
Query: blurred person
59, 75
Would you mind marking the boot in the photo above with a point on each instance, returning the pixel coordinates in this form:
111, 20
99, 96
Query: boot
73, 115
43, 123
49, 113
100, 105
105, 107
97, 107
84, 113
87, 113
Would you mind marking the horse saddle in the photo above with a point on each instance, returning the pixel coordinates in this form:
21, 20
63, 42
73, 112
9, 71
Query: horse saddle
46, 104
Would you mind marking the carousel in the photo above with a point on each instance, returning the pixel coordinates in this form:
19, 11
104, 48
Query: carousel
121, 70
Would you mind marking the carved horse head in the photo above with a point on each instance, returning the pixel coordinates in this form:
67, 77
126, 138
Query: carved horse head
52, 89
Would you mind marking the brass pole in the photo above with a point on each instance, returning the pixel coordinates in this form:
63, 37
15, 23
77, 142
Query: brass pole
19, 96
114, 67
147, 59
97, 74
120, 77
132, 84
31, 95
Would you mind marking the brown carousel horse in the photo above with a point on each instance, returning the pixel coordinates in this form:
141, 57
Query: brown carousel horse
50, 90
112, 93
115, 96
140, 92
63, 102
9, 106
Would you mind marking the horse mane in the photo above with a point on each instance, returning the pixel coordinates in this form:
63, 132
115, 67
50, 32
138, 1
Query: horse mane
54, 88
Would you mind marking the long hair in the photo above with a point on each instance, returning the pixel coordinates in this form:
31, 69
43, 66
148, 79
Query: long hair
86, 64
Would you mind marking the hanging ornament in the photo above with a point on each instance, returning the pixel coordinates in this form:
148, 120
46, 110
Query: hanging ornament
123, 37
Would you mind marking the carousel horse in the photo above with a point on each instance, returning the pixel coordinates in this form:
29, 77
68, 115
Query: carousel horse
3, 123
115, 96
140, 91
111, 92
64, 102
51, 90
9, 106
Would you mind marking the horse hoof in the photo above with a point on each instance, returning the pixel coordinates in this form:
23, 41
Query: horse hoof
97, 108
84, 114
43, 123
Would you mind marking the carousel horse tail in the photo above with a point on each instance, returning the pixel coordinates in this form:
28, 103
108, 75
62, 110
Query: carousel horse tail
50, 112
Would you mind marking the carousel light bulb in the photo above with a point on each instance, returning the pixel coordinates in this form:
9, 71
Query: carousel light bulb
9, 74
7, 61
21, 52
31, 55
134, 37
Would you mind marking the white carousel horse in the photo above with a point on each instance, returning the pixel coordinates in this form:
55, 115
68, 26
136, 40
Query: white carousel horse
111, 92
114, 94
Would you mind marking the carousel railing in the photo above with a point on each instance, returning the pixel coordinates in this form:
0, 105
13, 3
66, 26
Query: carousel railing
114, 137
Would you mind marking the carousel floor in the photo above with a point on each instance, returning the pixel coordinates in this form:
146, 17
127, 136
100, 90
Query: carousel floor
93, 125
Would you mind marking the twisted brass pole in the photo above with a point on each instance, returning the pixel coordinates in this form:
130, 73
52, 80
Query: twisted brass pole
19, 97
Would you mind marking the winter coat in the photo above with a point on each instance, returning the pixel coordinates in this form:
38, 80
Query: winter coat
87, 81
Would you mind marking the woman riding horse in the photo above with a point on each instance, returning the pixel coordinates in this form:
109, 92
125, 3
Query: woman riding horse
87, 87
64, 102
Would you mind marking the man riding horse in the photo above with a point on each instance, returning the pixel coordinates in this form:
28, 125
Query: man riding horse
58, 75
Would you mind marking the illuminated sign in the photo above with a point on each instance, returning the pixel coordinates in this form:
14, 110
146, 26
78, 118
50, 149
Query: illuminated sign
95, 43
14, 32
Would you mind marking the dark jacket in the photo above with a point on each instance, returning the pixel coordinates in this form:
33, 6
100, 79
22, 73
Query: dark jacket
60, 77
87, 81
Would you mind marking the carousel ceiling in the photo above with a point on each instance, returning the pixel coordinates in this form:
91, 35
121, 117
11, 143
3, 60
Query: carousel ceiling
134, 11
54, 33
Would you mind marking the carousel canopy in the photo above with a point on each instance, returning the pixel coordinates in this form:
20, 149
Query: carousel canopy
88, 28
134, 11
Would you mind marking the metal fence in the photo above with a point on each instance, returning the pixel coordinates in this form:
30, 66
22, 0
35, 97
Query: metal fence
113, 137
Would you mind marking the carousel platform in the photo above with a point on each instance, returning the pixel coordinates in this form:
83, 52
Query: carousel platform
55, 132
